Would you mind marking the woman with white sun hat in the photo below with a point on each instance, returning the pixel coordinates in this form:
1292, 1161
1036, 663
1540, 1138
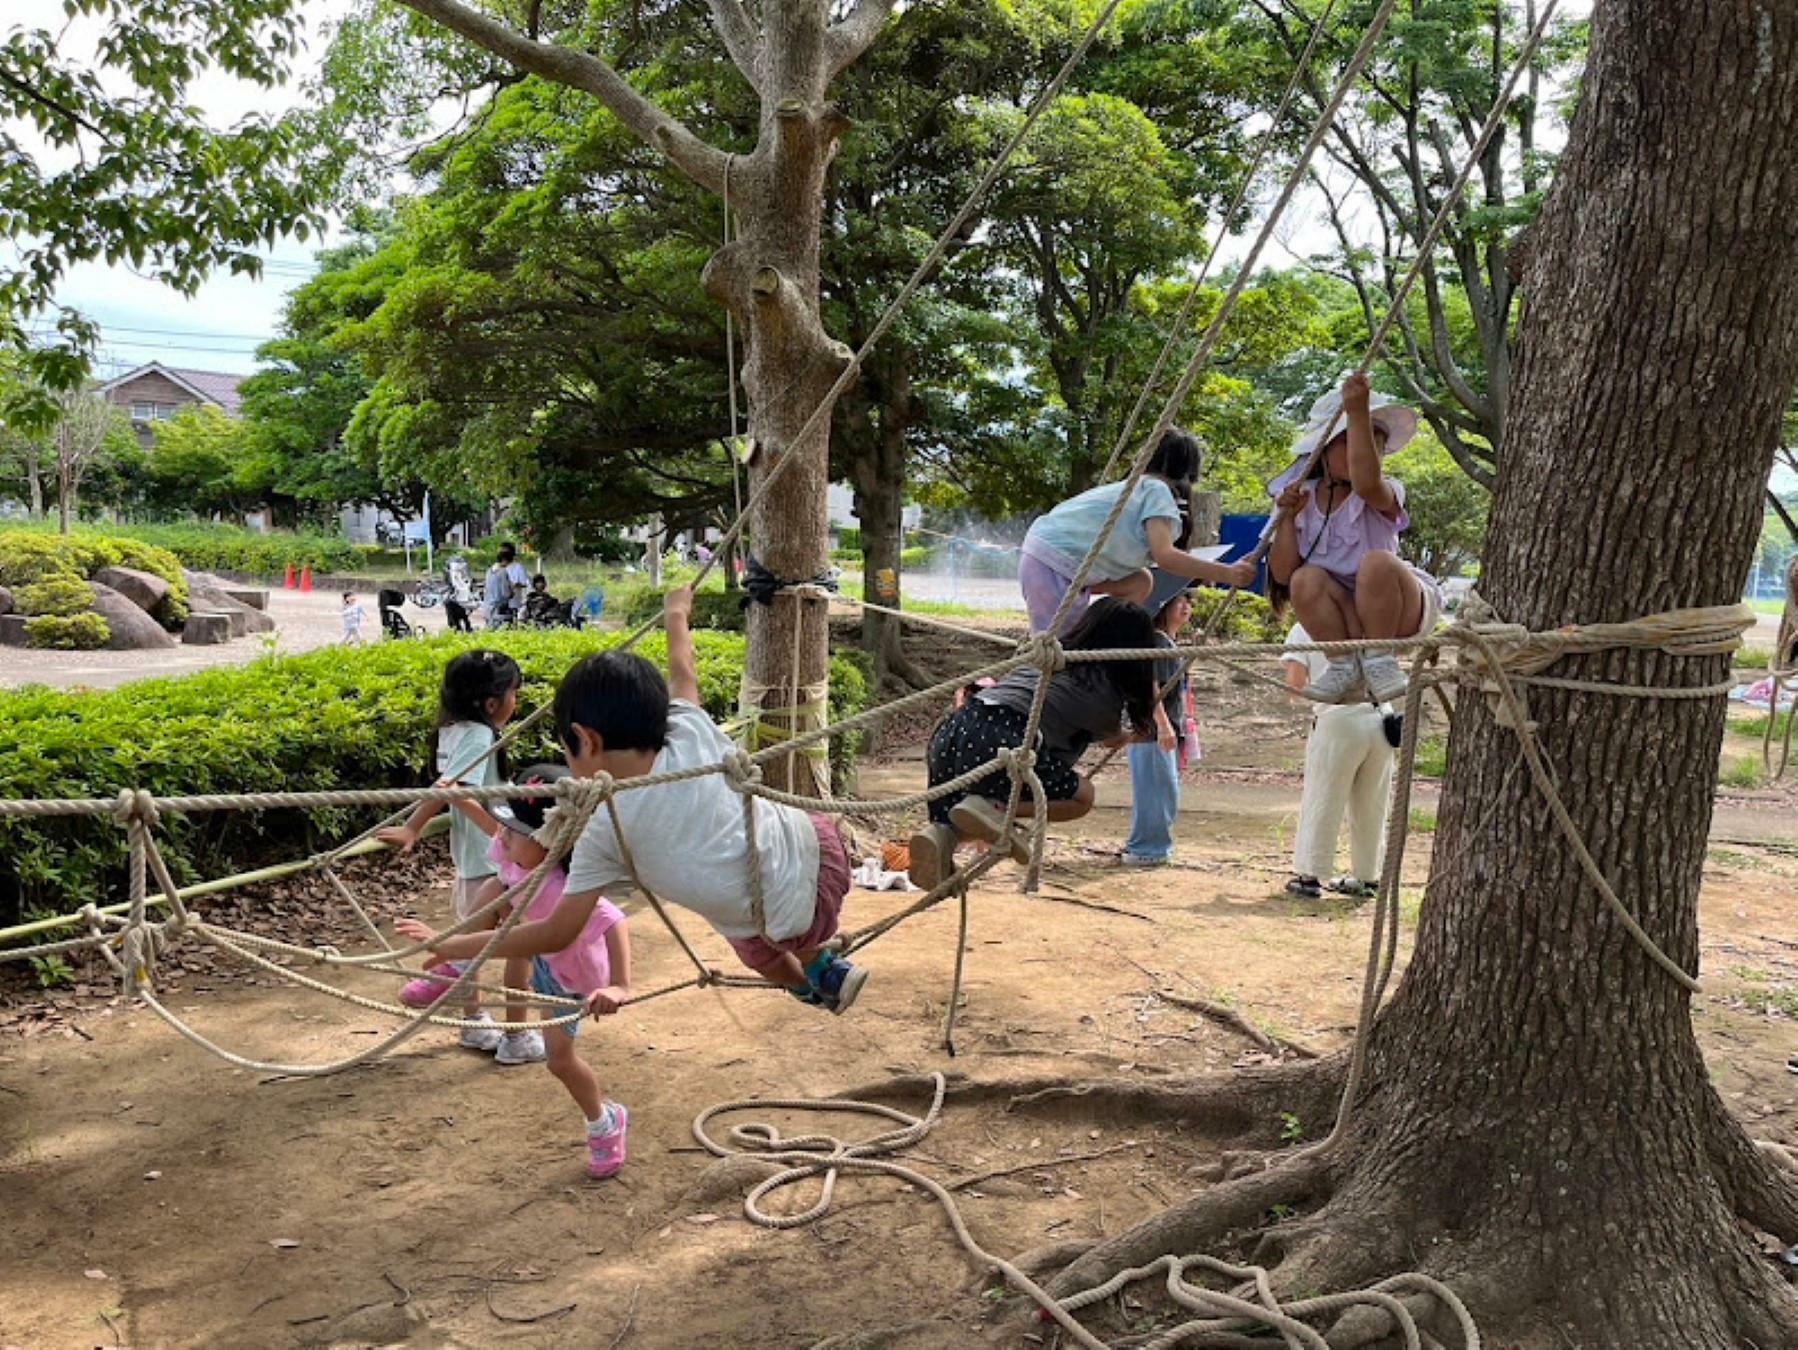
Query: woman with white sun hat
1335, 549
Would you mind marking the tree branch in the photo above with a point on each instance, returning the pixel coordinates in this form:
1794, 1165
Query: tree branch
847, 40
701, 162
737, 31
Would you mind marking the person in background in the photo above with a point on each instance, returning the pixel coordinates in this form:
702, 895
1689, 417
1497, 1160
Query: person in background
352, 620
1155, 765
506, 584
1348, 767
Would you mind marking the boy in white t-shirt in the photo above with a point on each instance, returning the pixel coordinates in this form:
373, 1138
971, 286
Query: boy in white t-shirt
1348, 767
615, 714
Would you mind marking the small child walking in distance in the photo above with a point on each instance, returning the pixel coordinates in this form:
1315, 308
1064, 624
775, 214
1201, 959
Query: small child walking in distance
594, 966
352, 620
615, 714
1107, 701
478, 697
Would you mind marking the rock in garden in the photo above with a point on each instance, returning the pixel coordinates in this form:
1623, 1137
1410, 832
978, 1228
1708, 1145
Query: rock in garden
12, 630
246, 595
132, 629
217, 601
143, 589
206, 629
5, 601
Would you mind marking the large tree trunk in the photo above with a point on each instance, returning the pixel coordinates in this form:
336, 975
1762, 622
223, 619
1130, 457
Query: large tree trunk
769, 278
1537, 1125
877, 473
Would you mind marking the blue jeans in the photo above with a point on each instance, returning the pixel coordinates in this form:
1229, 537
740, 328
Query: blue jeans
1154, 802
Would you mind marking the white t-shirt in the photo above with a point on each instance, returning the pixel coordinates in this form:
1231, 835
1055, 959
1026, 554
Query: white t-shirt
1314, 664
689, 843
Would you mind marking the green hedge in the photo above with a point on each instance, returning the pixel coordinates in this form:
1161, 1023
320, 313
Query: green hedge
328, 719
48, 576
215, 548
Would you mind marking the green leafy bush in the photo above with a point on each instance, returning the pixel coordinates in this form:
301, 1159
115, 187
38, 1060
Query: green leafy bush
209, 547
49, 571
328, 719
1250, 619
57, 593
716, 609
69, 632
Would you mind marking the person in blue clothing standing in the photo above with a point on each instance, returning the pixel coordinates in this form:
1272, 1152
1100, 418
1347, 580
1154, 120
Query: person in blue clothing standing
1155, 765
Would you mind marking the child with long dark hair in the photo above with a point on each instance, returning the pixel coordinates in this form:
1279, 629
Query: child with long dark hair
1107, 701
1153, 528
477, 699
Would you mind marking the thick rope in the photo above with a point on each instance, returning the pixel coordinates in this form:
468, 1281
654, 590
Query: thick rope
828, 1157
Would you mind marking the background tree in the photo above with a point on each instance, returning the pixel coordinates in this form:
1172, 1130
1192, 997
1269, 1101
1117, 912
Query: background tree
87, 427
200, 462
110, 160
1537, 1125
1394, 151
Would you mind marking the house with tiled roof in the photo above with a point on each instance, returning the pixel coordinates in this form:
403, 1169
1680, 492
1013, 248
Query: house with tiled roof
154, 393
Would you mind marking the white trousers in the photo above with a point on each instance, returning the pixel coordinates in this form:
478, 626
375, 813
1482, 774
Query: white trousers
1348, 767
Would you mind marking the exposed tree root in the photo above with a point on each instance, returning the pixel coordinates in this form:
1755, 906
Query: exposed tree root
1198, 1222
1229, 1017
1365, 1224
1247, 1106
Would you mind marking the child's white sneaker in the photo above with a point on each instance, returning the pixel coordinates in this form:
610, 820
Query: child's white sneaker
1385, 679
485, 1035
1340, 682
521, 1047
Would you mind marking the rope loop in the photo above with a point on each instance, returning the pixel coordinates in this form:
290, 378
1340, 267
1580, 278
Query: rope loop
135, 805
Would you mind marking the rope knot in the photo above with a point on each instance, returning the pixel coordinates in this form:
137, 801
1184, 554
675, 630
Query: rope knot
134, 804
1045, 652
741, 771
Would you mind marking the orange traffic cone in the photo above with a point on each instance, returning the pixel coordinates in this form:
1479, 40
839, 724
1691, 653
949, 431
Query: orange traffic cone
305, 580
287, 585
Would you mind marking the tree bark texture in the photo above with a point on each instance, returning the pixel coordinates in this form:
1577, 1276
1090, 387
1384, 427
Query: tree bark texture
878, 416
1538, 1104
1536, 1126
768, 276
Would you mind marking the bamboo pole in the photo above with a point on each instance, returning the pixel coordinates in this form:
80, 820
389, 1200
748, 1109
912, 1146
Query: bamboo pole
218, 885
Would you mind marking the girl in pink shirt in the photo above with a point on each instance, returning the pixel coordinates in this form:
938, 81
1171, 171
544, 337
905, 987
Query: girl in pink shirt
1335, 549
595, 967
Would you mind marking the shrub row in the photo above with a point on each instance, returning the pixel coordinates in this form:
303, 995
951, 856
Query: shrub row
328, 719
211, 547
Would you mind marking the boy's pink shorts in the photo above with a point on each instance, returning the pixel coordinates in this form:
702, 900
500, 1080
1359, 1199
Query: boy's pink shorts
833, 884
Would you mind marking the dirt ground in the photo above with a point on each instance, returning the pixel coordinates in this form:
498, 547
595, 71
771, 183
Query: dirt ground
156, 1197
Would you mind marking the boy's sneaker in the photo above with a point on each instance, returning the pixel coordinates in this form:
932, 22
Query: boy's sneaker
932, 856
1306, 888
977, 818
1385, 679
835, 981
1340, 682
605, 1151
521, 1047
1353, 887
428, 988
484, 1036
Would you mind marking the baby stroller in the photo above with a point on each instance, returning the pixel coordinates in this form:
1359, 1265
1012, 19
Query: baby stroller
543, 610
392, 622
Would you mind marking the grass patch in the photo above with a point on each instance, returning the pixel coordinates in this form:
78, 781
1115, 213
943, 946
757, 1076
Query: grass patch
1756, 727
1421, 821
1753, 658
1741, 773
951, 609
1432, 756
1772, 1002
